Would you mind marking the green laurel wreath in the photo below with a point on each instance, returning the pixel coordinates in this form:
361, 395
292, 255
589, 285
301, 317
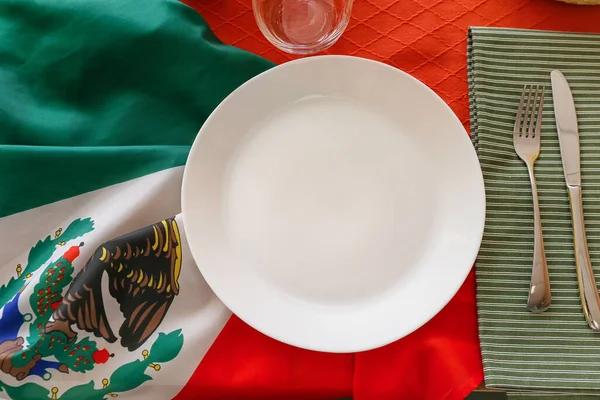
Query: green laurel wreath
41, 252
127, 377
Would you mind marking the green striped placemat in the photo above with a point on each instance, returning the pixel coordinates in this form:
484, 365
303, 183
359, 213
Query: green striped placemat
554, 351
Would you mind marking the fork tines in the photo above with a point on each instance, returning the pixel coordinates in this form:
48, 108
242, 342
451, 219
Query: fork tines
528, 120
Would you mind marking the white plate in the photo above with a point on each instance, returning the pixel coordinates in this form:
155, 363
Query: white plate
334, 203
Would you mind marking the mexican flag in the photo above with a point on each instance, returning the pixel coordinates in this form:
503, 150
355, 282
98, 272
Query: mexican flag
99, 296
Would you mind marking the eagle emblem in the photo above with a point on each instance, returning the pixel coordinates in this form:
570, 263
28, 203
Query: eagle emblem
143, 269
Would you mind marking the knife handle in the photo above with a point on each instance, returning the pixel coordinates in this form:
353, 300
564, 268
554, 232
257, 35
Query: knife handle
585, 274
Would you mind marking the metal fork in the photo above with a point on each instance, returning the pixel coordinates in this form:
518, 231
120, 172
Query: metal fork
527, 134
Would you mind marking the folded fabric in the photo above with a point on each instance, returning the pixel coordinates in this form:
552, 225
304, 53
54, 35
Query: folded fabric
441, 360
99, 92
552, 352
94, 303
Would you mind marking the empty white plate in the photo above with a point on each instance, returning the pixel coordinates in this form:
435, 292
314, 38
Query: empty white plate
334, 203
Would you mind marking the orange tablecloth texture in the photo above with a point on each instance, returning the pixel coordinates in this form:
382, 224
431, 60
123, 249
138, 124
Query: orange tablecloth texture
426, 38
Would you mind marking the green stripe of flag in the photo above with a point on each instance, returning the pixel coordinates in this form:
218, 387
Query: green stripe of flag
88, 100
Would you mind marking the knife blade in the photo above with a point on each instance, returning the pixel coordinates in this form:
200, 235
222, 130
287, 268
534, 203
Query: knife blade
566, 123
568, 138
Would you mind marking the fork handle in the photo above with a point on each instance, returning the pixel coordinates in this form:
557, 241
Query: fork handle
585, 274
539, 297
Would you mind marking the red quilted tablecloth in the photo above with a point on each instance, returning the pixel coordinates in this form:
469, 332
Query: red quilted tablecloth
426, 38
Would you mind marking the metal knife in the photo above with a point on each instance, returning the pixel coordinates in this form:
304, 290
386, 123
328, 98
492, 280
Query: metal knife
568, 137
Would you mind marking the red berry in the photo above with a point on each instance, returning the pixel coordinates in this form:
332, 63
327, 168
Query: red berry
71, 254
101, 356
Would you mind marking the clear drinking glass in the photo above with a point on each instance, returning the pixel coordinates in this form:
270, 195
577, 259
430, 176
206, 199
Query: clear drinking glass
302, 26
